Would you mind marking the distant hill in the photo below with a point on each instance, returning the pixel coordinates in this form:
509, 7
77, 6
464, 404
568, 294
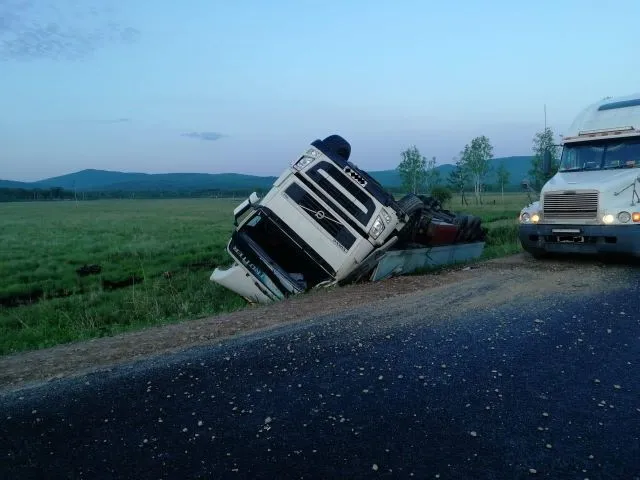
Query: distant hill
102, 180
12, 184
108, 181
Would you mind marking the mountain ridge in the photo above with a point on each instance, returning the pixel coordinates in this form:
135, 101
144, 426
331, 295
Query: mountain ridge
92, 180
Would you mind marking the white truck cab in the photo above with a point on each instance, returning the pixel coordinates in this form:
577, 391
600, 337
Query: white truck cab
323, 219
592, 203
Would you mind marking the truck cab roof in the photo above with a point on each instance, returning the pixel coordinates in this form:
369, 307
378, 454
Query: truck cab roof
613, 114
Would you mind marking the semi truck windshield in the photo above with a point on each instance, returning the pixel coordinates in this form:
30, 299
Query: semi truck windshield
602, 155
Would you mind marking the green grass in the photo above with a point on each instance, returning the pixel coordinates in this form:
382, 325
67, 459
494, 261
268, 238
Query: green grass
43, 244
500, 216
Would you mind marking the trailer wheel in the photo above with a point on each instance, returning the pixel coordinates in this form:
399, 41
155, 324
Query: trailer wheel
338, 145
461, 222
410, 204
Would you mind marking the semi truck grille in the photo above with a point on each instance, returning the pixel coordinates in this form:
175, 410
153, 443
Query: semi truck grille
570, 205
320, 215
335, 184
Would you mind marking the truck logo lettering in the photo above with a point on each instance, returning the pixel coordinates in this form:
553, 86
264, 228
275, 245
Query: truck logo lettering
247, 262
337, 244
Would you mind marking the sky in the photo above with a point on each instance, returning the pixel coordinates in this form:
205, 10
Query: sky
244, 86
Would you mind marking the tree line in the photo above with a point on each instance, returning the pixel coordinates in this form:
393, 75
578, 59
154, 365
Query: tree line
472, 168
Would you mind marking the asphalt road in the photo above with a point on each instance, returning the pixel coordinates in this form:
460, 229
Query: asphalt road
544, 389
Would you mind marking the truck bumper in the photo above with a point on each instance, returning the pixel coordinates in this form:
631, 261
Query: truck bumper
239, 280
581, 239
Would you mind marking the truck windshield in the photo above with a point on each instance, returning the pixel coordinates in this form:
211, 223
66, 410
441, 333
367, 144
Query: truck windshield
601, 155
280, 248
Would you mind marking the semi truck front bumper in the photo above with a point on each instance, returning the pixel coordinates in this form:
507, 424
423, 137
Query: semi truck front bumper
581, 239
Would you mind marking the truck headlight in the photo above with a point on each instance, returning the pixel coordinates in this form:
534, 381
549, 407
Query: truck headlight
527, 217
302, 162
386, 216
624, 217
377, 228
608, 218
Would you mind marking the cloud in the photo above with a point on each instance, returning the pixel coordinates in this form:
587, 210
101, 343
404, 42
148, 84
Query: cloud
115, 120
58, 30
211, 136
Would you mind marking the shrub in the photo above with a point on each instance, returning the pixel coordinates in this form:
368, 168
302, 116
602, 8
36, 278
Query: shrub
442, 194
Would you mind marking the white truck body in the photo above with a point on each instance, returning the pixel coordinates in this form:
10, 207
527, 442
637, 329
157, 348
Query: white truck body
321, 220
591, 204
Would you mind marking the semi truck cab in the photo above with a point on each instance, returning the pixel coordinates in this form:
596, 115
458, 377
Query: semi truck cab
320, 221
592, 204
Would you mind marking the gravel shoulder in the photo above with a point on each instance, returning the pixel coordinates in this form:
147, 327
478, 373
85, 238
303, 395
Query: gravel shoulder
483, 285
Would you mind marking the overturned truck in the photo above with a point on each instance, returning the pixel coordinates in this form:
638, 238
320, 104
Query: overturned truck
326, 222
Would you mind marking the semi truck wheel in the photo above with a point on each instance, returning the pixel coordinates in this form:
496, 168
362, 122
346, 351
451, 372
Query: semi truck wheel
410, 204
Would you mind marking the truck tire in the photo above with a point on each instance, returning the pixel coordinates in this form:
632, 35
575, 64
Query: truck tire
410, 204
338, 145
461, 221
473, 229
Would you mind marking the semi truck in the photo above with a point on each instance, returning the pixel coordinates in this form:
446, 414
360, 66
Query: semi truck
590, 205
325, 222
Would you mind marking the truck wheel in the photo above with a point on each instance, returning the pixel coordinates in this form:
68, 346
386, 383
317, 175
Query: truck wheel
461, 222
338, 145
410, 204
474, 229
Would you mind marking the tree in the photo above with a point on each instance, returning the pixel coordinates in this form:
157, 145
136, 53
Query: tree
502, 175
413, 170
541, 141
458, 179
476, 160
432, 174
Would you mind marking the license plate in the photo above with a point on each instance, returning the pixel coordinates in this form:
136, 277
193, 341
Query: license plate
570, 239
565, 230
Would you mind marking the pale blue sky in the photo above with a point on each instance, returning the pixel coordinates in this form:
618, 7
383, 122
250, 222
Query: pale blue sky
117, 89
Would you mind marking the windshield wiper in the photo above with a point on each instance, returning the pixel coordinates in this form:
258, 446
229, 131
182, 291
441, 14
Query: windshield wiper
576, 169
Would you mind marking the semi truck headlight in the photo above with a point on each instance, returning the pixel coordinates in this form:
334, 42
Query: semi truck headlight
377, 228
608, 218
527, 217
302, 162
624, 217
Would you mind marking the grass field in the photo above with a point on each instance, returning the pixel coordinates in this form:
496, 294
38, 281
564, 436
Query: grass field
156, 257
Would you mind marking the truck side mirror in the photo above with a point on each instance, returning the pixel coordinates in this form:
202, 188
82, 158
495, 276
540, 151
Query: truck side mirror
546, 162
525, 184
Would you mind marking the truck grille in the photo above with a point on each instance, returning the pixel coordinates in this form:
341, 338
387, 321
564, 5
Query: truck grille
568, 205
327, 177
320, 215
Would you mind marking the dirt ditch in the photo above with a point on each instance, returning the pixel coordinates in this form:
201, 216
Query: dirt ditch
517, 275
